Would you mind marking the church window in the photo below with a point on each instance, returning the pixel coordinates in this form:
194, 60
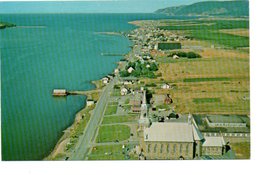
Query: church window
180, 148
154, 148
187, 149
161, 150
168, 148
149, 148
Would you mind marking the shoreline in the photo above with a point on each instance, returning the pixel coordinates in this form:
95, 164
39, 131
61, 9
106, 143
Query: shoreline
65, 138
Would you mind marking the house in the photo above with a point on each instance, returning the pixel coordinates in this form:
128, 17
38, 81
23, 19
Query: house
175, 57
148, 66
105, 80
130, 70
123, 91
165, 86
116, 71
90, 103
127, 82
213, 146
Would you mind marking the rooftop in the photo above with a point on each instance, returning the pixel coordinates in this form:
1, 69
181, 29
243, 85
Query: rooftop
224, 119
170, 132
214, 141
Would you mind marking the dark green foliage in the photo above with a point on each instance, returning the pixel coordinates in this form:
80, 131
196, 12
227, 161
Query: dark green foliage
169, 46
153, 67
184, 54
124, 73
140, 70
4, 25
151, 85
193, 55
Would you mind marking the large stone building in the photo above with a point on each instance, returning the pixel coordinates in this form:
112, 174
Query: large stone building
179, 140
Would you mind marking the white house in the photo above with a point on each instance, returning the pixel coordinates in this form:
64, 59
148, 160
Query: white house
123, 91
175, 57
127, 82
165, 86
116, 71
130, 70
90, 103
148, 66
105, 80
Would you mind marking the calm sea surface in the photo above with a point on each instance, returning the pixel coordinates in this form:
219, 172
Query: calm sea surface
52, 51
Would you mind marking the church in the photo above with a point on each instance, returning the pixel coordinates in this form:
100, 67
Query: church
176, 139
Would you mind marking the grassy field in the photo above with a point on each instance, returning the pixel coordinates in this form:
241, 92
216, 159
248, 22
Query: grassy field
242, 150
206, 79
221, 73
111, 109
206, 100
119, 119
113, 133
212, 31
110, 152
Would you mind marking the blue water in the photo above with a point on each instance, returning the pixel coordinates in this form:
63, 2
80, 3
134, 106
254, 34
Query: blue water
65, 53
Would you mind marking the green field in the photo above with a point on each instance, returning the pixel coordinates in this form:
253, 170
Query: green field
113, 133
110, 152
119, 119
206, 100
206, 79
242, 150
209, 30
111, 109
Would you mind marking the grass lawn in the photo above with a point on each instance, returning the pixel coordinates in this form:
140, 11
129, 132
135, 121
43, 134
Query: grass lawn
116, 92
111, 109
111, 133
206, 79
113, 103
119, 119
242, 150
109, 152
206, 100
79, 127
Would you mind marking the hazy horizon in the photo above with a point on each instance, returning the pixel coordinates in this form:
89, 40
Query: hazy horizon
90, 6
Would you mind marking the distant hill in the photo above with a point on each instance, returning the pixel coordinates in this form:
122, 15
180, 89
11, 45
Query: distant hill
209, 8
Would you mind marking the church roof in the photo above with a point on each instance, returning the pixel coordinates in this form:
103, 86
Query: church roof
196, 133
214, 141
169, 132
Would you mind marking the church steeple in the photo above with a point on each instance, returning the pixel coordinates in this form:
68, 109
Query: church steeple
144, 106
144, 98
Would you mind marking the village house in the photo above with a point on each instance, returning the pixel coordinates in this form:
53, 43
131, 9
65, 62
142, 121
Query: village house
105, 80
90, 103
175, 57
116, 71
123, 91
165, 86
130, 70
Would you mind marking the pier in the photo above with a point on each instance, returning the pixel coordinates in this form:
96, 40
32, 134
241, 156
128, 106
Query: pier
64, 92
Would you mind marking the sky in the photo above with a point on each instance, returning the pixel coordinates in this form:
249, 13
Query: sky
90, 6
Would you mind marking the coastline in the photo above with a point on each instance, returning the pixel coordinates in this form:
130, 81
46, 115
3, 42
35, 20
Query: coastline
59, 151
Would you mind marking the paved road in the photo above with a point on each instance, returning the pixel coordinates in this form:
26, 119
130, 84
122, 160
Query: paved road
89, 132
